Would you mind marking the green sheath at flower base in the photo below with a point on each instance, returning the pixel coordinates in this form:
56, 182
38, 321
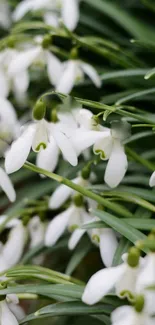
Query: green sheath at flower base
39, 110
74, 54
133, 257
85, 173
139, 303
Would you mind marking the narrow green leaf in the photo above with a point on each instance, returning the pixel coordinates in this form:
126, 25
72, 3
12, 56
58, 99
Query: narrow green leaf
122, 248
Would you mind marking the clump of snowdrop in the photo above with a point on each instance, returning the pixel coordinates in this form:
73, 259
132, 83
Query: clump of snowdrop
74, 71
68, 10
37, 53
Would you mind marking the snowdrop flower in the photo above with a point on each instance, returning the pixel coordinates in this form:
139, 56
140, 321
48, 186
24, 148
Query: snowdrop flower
69, 11
37, 54
17, 82
63, 193
112, 148
9, 125
14, 247
71, 218
39, 135
106, 240
152, 180
123, 277
37, 232
6, 315
5, 19
129, 316
73, 71
6, 185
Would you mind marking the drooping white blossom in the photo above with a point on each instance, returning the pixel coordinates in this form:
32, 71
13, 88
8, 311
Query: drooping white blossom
68, 10
73, 71
129, 316
122, 277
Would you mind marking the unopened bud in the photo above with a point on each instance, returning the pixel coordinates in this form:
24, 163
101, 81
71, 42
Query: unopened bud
85, 173
46, 42
74, 53
78, 200
39, 110
139, 303
133, 257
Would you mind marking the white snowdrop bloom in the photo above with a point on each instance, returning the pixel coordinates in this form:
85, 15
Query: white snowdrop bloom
34, 55
106, 239
5, 17
129, 316
6, 315
36, 232
9, 125
73, 71
71, 218
14, 247
17, 82
63, 193
112, 148
68, 10
152, 180
7, 186
123, 277
39, 135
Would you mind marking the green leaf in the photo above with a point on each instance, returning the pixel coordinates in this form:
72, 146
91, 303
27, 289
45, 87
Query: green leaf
134, 96
122, 248
68, 308
121, 226
144, 224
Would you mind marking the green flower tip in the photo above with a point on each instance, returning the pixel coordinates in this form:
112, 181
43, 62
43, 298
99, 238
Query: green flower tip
139, 303
133, 257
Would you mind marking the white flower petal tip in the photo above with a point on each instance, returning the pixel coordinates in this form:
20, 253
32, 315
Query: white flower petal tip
70, 13
7, 186
101, 283
117, 165
75, 238
152, 180
7, 317
92, 74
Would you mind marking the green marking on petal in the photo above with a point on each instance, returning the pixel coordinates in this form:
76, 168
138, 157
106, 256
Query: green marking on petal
101, 153
40, 146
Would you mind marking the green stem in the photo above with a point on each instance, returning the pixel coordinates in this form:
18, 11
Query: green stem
110, 205
140, 159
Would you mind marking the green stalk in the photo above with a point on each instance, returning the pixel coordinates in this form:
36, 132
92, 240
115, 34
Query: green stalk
140, 159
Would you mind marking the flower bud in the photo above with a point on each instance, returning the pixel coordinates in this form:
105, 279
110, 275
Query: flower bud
85, 173
139, 303
78, 200
39, 110
46, 42
74, 53
133, 257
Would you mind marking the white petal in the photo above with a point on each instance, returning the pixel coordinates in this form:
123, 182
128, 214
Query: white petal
70, 13
11, 223
61, 195
23, 60
19, 151
128, 281
23, 8
4, 84
14, 247
92, 74
121, 314
103, 147
54, 68
7, 113
82, 140
21, 82
7, 316
51, 19
68, 78
40, 139
48, 158
75, 238
57, 227
144, 281
108, 245
6, 185
66, 147
85, 118
152, 180
17, 311
37, 231
101, 283
5, 17
117, 165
